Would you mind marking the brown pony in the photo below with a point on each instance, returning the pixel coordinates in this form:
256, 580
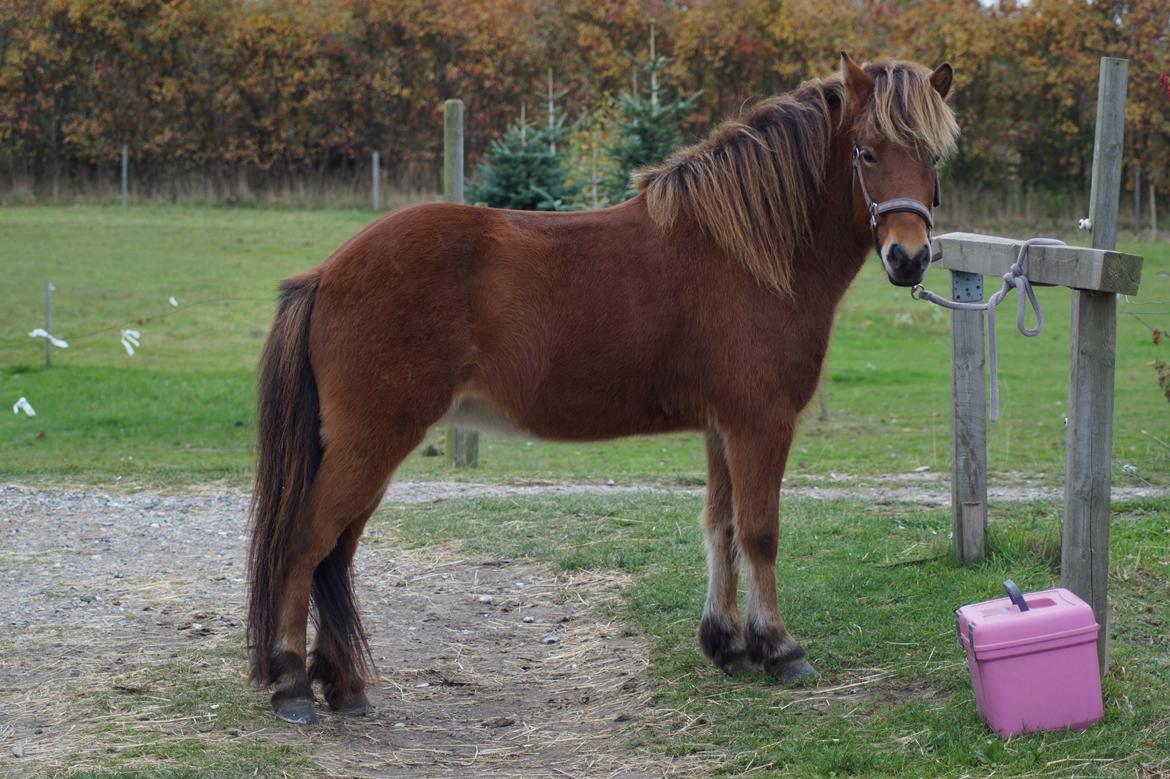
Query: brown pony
703, 303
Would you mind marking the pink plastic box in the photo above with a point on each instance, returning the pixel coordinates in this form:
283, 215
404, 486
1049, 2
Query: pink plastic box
1033, 668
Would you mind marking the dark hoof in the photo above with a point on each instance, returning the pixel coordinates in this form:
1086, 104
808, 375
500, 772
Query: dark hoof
357, 706
298, 711
797, 674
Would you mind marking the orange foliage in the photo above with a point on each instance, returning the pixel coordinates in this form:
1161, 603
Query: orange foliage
294, 87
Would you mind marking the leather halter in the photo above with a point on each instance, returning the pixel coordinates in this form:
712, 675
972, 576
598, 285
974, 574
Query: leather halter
905, 204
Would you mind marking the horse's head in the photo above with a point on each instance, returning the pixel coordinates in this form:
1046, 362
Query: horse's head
901, 130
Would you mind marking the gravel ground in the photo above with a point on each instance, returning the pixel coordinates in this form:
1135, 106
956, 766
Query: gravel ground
926, 488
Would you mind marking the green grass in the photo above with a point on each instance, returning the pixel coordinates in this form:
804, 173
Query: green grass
182, 408
869, 591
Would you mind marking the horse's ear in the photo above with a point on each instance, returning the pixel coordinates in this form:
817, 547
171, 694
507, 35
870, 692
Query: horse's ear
858, 83
941, 78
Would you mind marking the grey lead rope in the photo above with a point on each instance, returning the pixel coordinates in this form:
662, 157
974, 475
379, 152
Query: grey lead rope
1015, 278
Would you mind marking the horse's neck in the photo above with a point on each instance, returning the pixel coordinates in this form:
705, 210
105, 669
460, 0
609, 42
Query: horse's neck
827, 266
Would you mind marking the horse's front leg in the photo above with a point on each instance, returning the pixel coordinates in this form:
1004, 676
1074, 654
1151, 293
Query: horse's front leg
756, 458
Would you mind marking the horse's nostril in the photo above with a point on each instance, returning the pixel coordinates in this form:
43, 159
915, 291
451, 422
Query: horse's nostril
904, 269
896, 255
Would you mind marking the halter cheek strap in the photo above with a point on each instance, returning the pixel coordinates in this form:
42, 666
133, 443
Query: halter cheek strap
903, 204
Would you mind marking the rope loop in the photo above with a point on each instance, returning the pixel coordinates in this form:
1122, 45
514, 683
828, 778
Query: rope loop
1016, 278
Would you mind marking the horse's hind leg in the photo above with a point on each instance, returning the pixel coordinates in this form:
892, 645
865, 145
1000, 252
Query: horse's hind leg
345, 491
720, 633
338, 659
756, 461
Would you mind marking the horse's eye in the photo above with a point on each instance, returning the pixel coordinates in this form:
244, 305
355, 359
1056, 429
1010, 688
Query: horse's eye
867, 155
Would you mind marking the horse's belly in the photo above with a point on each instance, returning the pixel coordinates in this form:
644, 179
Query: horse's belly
479, 414
588, 418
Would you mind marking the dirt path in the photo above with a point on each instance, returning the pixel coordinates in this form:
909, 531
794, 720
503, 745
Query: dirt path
926, 488
115, 606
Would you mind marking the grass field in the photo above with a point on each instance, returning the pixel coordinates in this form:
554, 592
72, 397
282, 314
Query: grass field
181, 408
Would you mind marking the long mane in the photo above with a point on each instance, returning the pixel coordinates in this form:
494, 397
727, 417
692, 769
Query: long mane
753, 184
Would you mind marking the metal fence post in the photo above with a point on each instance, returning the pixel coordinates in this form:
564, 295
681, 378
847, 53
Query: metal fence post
48, 322
376, 181
125, 175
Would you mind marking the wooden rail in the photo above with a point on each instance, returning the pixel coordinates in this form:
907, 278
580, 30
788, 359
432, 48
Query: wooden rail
1099, 270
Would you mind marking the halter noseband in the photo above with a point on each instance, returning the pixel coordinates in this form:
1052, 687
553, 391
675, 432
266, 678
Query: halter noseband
904, 204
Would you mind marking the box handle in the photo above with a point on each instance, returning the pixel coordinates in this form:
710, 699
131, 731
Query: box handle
970, 635
1016, 596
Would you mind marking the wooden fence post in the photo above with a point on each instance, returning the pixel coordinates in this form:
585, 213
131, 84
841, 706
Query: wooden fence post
1092, 356
462, 447
453, 151
376, 181
968, 422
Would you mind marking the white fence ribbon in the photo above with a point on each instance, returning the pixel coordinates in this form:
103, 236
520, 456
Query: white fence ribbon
40, 332
130, 341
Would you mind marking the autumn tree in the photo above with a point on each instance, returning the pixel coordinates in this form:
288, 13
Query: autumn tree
1144, 38
239, 91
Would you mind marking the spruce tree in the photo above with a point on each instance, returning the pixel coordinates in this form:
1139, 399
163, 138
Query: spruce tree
649, 130
522, 171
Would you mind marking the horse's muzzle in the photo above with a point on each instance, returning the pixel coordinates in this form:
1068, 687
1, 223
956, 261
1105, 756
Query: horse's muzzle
903, 269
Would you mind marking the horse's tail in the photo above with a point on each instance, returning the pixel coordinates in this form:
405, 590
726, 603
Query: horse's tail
288, 455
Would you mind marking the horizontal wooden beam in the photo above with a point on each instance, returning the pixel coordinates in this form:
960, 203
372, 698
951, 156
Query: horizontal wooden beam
1069, 266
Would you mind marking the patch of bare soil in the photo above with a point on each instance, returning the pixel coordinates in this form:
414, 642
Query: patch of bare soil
121, 626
